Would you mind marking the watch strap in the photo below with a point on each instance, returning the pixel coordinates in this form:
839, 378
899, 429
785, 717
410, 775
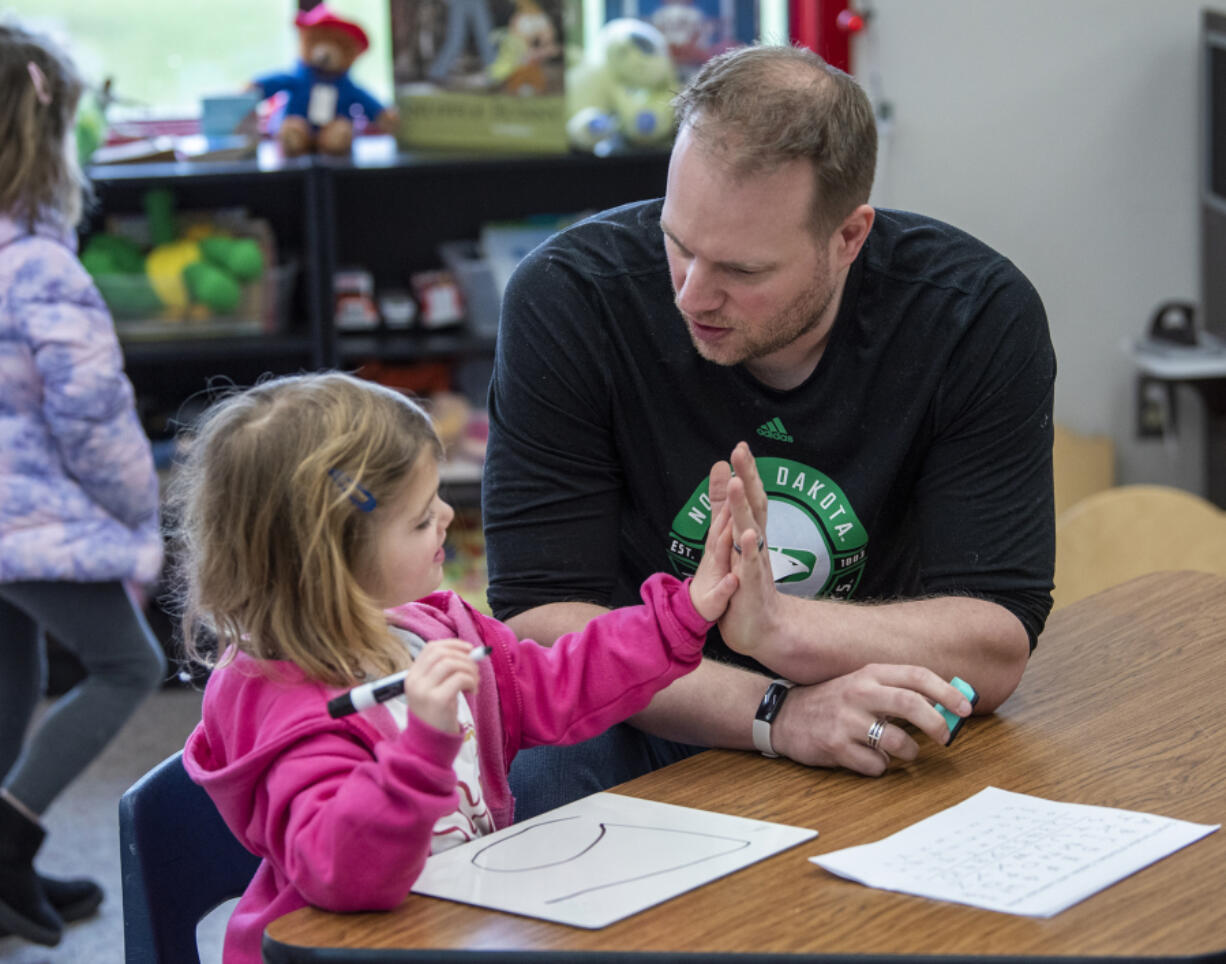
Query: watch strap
768, 709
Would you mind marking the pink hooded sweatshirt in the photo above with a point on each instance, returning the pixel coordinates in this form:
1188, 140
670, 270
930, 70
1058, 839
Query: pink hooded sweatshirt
342, 811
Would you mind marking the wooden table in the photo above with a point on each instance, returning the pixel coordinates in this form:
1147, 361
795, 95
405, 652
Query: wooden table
1121, 706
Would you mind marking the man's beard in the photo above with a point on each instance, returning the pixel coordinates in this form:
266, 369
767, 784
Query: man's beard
753, 341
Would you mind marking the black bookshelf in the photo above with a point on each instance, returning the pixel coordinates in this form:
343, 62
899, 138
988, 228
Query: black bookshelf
381, 209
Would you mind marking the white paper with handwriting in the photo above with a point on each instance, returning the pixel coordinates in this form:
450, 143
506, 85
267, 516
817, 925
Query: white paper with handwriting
1014, 853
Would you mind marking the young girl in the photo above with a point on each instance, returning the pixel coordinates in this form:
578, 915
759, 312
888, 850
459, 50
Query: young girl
310, 520
78, 494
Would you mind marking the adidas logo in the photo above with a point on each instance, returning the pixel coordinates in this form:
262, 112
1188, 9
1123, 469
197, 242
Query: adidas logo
774, 430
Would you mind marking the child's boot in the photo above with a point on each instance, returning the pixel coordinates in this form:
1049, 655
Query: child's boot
73, 897
24, 909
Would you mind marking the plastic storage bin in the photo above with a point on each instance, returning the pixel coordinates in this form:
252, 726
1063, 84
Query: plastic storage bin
263, 310
476, 280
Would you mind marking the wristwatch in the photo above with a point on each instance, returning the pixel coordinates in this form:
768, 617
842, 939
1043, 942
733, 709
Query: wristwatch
768, 709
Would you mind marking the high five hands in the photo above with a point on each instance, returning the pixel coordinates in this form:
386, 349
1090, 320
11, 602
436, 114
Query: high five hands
829, 719
752, 614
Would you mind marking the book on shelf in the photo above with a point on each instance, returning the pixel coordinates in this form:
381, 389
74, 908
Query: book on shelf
483, 74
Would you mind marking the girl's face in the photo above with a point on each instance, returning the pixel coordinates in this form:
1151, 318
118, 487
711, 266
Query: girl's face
408, 550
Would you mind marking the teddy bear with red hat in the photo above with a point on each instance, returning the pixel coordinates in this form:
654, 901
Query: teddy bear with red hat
321, 100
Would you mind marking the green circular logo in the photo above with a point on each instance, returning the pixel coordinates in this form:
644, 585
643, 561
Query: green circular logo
817, 545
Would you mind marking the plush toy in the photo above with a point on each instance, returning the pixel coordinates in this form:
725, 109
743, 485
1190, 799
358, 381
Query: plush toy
321, 99
528, 43
621, 96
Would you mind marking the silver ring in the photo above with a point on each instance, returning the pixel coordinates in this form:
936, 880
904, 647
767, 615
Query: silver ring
761, 543
874, 733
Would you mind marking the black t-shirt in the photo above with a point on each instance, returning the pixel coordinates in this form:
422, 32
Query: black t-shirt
915, 460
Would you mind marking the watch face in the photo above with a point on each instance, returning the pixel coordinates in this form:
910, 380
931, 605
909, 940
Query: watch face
768, 709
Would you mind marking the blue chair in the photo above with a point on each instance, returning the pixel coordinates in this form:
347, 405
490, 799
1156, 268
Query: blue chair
179, 862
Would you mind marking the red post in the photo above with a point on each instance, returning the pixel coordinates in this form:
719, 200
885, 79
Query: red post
814, 23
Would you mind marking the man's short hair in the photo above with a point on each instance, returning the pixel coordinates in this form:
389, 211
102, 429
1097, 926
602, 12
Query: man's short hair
762, 106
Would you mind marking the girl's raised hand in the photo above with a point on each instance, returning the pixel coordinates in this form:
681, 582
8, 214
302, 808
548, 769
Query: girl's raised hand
713, 583
441, 671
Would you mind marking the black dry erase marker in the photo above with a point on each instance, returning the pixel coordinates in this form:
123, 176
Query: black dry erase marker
953, 720
381, 690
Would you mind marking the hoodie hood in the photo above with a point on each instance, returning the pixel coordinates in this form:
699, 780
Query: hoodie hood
254, 710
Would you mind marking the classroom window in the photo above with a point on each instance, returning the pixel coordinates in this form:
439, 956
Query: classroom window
164, 55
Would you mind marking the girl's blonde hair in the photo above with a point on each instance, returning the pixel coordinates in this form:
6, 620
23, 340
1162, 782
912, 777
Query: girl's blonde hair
40, 178
275, 504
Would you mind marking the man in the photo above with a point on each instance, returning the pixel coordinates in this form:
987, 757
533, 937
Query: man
894, 374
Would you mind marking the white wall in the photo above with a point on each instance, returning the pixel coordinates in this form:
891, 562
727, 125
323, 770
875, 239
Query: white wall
1063, 133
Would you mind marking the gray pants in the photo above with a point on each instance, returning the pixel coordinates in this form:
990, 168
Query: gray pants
123, 662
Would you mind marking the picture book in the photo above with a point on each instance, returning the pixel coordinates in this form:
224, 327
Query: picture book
482, 74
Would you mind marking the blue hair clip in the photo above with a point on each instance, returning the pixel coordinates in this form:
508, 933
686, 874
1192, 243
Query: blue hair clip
359, 495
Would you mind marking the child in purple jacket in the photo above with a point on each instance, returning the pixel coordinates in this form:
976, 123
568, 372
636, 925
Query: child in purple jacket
310, 521
78, 493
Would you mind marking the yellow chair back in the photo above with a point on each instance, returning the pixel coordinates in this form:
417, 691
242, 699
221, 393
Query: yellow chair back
1081, 466
1114, 535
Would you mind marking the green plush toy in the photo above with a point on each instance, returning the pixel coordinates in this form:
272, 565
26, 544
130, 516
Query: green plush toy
118, 269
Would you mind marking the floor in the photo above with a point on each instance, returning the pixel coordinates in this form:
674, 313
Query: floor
83, 835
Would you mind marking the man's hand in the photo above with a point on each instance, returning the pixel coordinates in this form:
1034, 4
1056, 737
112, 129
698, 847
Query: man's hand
827, 724
746, 470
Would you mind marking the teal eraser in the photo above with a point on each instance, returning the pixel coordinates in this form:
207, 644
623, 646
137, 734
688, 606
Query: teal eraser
953, 720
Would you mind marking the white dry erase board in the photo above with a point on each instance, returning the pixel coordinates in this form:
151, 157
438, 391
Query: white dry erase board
602, 858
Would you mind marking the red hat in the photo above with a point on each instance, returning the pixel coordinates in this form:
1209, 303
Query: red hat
321, 16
